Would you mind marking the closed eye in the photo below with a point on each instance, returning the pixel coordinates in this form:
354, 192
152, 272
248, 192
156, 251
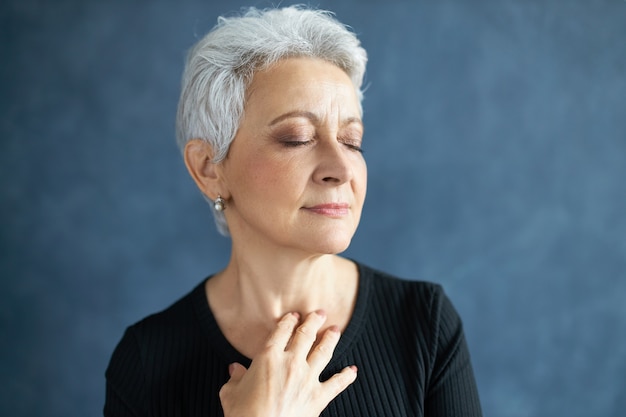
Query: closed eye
352, 144
353, 147
295, 143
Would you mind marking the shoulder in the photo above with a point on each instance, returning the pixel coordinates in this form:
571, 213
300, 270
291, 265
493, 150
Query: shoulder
156, 331
394, 288
422, 303
157, 335
176, 318
158, 352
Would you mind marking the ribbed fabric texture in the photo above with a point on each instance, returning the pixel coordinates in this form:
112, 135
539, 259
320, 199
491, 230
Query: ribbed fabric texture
404, 336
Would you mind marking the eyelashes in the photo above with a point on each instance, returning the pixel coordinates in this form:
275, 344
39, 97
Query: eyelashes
296, 143
353, 146
289, 143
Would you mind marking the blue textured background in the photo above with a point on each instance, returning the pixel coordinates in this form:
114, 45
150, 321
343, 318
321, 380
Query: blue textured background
496, 144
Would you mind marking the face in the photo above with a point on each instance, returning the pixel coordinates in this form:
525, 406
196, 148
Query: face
294, 175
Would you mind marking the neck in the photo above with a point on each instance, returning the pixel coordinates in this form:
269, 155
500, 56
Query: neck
270, 286
254, 291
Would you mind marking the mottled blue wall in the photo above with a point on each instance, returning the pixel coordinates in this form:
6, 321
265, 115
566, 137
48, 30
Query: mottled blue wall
496, 144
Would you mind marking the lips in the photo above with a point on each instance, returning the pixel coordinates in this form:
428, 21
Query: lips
330, 209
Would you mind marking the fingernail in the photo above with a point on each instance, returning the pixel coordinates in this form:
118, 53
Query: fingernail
296, 314
231, 369
320, 313
334, 329
354, 368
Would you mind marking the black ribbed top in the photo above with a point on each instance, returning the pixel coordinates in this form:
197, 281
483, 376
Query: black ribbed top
404, 336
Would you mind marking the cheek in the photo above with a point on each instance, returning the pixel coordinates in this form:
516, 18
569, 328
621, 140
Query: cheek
266, 175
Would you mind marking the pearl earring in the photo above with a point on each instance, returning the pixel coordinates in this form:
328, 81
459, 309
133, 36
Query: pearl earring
219, 204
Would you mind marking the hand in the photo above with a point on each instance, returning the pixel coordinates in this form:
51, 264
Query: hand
283, 380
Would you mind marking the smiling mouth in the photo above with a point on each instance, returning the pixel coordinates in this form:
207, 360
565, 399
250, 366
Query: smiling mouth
330, 210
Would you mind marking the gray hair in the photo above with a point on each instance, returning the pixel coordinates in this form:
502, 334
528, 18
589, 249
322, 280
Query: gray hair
221, 65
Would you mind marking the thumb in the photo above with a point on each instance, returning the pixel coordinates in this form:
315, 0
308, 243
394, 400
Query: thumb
236, 371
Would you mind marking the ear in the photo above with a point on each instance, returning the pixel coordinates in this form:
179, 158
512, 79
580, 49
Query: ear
198, 156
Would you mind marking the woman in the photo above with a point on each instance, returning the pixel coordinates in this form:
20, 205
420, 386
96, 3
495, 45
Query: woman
269, 122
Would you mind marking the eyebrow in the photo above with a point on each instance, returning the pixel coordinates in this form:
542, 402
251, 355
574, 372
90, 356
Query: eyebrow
312, 117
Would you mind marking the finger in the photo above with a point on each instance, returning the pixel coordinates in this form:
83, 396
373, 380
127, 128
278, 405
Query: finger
338, 383
305, 335
283, 331
236, 371
322, 353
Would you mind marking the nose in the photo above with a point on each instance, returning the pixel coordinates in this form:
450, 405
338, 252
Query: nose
333, 166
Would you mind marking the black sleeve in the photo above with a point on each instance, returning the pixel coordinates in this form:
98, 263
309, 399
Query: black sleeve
452, 388
125, 381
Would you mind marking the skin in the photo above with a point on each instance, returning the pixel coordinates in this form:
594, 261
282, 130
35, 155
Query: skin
284, 379
294, 182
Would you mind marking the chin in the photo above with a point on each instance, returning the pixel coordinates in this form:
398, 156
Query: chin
333, 249
333, 243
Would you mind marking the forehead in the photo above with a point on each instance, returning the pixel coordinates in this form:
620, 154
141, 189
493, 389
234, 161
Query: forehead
302, 84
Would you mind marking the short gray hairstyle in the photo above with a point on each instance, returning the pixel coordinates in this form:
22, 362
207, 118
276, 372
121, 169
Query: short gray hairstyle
220, 67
